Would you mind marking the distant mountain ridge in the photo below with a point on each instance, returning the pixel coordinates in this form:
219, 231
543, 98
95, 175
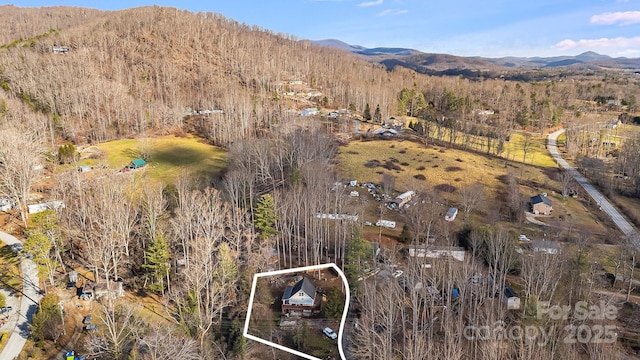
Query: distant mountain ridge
445, 64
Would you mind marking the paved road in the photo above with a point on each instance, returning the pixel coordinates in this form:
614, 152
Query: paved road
28, 303
600, 199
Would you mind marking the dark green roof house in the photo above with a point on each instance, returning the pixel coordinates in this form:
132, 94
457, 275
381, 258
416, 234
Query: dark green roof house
136, 164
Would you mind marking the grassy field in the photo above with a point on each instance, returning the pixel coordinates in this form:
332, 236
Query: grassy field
623, 132
167, 156
416, 166
537, 153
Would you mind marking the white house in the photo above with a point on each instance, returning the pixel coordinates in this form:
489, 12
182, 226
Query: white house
437, 252
545, 246
402, 199
309, 112
337, 216
451, 214
511, 297
50, 205
299, 298
6, 204
60, 49
385, 132
386, 223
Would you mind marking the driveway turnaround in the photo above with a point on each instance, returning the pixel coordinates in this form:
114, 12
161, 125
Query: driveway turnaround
28, 303
601, 200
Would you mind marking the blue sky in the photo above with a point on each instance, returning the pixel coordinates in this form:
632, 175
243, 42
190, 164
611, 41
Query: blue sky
490, 28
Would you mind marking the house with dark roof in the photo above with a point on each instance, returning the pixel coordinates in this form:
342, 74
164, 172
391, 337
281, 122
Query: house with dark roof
540, 204
301, 299
511, 297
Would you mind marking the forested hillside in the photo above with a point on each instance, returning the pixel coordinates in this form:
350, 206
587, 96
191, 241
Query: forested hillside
130, 71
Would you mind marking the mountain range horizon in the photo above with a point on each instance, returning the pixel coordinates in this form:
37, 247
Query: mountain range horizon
475, 66
336, 43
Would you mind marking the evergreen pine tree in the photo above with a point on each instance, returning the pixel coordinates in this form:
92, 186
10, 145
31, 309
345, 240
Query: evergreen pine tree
405, 235
157, 261
367, 112
265, 216
377, 115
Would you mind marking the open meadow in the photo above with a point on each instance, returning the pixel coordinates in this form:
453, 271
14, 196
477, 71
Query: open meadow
416, 166
167, 156
419, 167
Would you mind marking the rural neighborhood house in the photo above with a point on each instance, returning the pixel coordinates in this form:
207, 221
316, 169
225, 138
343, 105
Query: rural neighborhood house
300, 299
540, 204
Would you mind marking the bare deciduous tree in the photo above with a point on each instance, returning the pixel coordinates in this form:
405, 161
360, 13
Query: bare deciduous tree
208, 281
20, 166
566, 180
540, 274
118, 330
162, 343
470, 197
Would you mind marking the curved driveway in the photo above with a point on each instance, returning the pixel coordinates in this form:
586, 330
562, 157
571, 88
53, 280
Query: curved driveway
28, 303
600, 199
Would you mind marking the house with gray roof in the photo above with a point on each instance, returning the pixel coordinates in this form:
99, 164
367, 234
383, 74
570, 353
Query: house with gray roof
301, 299
540, 204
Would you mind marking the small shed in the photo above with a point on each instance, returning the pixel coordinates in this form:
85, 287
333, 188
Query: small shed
541, 204
73, 276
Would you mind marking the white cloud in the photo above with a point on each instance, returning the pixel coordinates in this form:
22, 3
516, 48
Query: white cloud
621, 18
370, 3
629, 53
618, 45
392, 12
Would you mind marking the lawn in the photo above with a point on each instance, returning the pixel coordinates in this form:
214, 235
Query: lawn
167, 156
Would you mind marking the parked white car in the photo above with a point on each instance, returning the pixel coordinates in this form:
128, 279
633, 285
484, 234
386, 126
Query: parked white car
330, 334
397, 273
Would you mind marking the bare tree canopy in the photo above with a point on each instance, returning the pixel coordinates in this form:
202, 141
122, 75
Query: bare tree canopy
20, 166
